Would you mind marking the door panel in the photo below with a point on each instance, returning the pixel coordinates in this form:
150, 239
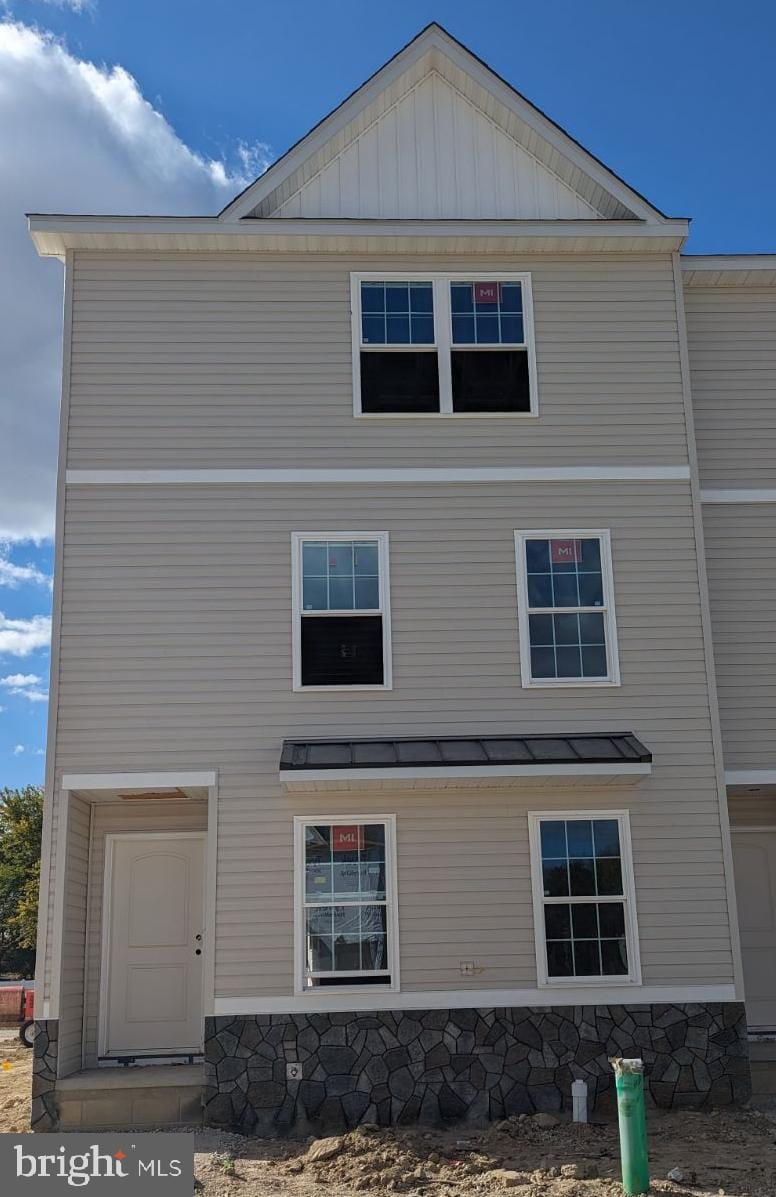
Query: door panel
154, 984
755, 868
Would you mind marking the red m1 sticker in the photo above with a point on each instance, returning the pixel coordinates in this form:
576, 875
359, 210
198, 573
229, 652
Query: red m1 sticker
565, 552
347, 839
486, 292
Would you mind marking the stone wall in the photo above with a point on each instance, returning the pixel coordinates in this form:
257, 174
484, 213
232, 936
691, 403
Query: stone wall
438, 1066
45, 1114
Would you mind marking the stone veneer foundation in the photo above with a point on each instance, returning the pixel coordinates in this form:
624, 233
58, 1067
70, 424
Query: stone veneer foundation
45, 1112
436, 1066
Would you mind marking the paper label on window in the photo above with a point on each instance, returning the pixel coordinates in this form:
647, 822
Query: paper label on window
347, 839
565, 552
486, 292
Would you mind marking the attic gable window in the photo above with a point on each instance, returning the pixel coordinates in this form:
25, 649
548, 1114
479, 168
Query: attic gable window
443, 345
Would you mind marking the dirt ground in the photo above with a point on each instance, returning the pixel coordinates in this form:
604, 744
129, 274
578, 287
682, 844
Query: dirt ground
721, 1153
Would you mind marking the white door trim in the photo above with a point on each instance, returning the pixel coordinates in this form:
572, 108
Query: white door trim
111, 839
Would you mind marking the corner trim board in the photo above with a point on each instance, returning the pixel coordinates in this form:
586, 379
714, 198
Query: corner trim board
313, 477
457, 999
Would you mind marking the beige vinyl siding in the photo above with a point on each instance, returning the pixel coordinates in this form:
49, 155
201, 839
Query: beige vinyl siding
731, 333
176, 653
73, 938
741, 561
245, 360
111, 817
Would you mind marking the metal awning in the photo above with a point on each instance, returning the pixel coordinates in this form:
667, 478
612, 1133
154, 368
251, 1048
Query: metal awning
613, 758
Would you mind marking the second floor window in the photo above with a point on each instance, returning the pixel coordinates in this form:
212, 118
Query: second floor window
341, 610
443, 345
566, 609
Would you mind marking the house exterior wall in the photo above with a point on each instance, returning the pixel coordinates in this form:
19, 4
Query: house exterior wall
176, 622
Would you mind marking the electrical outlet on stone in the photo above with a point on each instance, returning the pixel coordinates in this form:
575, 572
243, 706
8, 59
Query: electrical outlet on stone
293, 1070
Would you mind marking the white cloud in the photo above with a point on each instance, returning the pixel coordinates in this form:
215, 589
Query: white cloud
25, 685
20, 679
18, 750
74, 137
13, 576
20, 637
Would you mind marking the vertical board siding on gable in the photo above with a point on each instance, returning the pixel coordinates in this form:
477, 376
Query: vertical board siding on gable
74, 938
741, 561
731, 333
433, 154
176, 653
244, 360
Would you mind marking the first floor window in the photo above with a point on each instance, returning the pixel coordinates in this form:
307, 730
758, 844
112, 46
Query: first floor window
341, 610
566, 608
443, 344
346, 901
584, 900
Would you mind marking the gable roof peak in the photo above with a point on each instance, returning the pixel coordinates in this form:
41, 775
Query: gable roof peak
573, 182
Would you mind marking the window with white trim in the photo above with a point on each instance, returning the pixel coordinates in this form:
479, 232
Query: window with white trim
341, 610
346, 898
568, 633
584, 897
443, 344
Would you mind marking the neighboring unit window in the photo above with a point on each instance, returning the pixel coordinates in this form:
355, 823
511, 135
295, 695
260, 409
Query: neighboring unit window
567, 626
583, 897
347, 913
341, 599
444, 345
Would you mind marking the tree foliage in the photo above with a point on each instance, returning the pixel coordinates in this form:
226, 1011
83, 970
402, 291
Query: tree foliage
21, 822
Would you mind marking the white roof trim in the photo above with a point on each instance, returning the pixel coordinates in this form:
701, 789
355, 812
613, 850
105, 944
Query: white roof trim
458, 776
729, 270
136, 781
739, 494
435, 40
750, 777
54, 234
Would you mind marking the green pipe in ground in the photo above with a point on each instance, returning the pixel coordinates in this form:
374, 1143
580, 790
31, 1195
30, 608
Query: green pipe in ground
629, 1082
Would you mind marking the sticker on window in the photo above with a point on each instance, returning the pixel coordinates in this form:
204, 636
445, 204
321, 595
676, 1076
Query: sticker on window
486, 292
347, 839
564, 552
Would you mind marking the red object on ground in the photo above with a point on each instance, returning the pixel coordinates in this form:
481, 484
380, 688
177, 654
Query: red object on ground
11, 1004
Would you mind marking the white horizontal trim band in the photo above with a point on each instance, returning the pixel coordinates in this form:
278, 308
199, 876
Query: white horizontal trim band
750, 777
135, 781
739, 495
327, 1002
269, 477
421, 772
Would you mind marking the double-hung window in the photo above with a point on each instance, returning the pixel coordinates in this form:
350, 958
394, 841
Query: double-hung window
568, 633
584, 898
443, 344
341, 610
346, 902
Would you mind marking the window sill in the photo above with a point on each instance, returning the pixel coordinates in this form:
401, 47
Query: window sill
341, 689
446, 415
324, 992
571, 684
587, 982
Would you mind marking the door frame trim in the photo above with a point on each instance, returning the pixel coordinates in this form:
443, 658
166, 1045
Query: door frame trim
111, 840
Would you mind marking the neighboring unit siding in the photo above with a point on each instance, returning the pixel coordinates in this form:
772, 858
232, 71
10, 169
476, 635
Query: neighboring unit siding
176, 653
73, 947
245, 360
731, 334
741, 562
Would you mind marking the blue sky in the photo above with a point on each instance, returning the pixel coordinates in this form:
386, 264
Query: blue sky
173, 105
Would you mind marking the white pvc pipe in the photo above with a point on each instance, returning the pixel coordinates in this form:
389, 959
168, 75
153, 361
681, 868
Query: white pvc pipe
579, 1100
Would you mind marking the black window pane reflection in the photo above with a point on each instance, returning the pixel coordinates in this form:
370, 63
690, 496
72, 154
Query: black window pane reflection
557, 921
556, 879
559, 959
582, 874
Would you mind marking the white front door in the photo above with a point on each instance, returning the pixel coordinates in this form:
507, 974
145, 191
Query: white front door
754, 854
153, 951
